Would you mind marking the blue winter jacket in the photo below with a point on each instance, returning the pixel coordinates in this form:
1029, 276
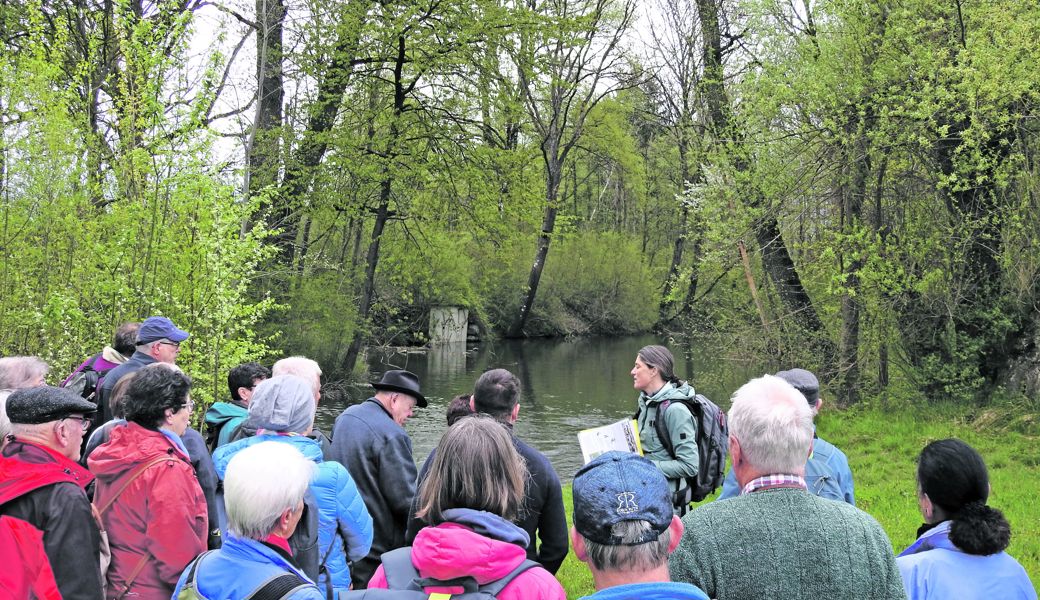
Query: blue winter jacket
240, 567
933, 568
827, 475
663, 590
342, 516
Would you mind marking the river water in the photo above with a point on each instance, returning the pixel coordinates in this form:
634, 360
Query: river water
567, 385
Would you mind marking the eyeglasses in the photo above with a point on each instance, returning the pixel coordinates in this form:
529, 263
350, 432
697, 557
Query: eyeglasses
167, 343
190, 405
84, 422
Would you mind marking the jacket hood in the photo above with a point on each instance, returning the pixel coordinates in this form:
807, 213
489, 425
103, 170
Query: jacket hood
310, 449
113, 356
458, 548
936, 537
126, 448
670, 391
222, 412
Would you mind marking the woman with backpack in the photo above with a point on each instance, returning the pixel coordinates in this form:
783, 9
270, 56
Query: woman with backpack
658, 386
960, 549
475, 486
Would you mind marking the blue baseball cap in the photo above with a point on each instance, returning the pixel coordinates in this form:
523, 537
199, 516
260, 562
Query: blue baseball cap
159, 328
617, 487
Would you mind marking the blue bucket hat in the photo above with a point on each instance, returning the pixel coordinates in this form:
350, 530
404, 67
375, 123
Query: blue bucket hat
617, 487
159, 328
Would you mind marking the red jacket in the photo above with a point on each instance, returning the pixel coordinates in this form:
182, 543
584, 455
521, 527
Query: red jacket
161, 515
27, 572
42, 487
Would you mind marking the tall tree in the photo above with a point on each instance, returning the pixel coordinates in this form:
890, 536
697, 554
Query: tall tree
567, 63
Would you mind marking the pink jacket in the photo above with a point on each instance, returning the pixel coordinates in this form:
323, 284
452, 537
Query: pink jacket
480, 545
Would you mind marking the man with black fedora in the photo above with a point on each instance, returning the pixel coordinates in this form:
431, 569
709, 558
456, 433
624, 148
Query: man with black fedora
370, 441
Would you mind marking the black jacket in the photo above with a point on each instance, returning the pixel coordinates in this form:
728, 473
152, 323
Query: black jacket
543, 517
378, 453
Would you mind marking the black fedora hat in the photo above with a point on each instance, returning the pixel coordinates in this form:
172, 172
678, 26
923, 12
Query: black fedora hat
402, 381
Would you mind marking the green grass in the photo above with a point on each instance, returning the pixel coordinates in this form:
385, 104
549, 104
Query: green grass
882, 446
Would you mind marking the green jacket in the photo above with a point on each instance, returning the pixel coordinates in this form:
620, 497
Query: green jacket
681, 428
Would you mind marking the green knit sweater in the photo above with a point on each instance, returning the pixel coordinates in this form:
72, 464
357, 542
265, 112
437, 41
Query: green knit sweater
785, 543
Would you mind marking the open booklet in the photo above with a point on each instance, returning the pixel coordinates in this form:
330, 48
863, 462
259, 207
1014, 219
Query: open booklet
622, 436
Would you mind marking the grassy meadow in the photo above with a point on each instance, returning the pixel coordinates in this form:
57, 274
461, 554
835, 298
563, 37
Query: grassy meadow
882, 445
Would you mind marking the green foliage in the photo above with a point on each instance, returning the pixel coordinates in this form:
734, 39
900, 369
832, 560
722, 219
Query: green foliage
72, 268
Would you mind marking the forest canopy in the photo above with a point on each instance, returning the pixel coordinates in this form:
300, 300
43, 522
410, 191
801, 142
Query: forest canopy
851, 186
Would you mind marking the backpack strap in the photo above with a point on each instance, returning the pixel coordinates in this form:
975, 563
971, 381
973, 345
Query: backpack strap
399, 571
322, 568
495, 587
130, 479
662, 431
279, 587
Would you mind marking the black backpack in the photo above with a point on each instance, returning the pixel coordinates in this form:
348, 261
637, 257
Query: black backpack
712, 445
85, 381
404, 582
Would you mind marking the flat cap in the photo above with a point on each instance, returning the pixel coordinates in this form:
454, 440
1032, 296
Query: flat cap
803, 381
44, 404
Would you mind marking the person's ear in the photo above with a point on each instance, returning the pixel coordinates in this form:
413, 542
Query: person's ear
734, 450
927, 508
61, 433
515, 413
578, 543
472, 403
677, 529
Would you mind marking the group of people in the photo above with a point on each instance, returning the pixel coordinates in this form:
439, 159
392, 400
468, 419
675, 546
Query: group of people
122, 498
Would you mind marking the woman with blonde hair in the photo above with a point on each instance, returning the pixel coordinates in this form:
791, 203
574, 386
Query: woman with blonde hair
475, 486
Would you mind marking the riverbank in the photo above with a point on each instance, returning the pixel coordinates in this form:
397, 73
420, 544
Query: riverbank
882, 445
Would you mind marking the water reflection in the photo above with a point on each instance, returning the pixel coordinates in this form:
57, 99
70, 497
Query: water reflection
568, 385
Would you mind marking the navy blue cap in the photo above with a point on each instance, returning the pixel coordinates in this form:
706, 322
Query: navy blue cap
617, 487
803, 381
160, 328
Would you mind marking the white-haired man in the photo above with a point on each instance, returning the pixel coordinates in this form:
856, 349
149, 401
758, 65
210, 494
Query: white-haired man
624, 529
776, 540
264, 488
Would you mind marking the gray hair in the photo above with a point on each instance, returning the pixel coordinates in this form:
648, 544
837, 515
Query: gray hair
300, 366
260, 483
626, 556
660, 358
17, 372
773, 424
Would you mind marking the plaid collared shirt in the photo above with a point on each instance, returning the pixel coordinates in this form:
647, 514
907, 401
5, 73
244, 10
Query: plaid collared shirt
776, 480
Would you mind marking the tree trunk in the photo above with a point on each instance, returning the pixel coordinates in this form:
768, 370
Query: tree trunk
382, 212
554, 169
776, 259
